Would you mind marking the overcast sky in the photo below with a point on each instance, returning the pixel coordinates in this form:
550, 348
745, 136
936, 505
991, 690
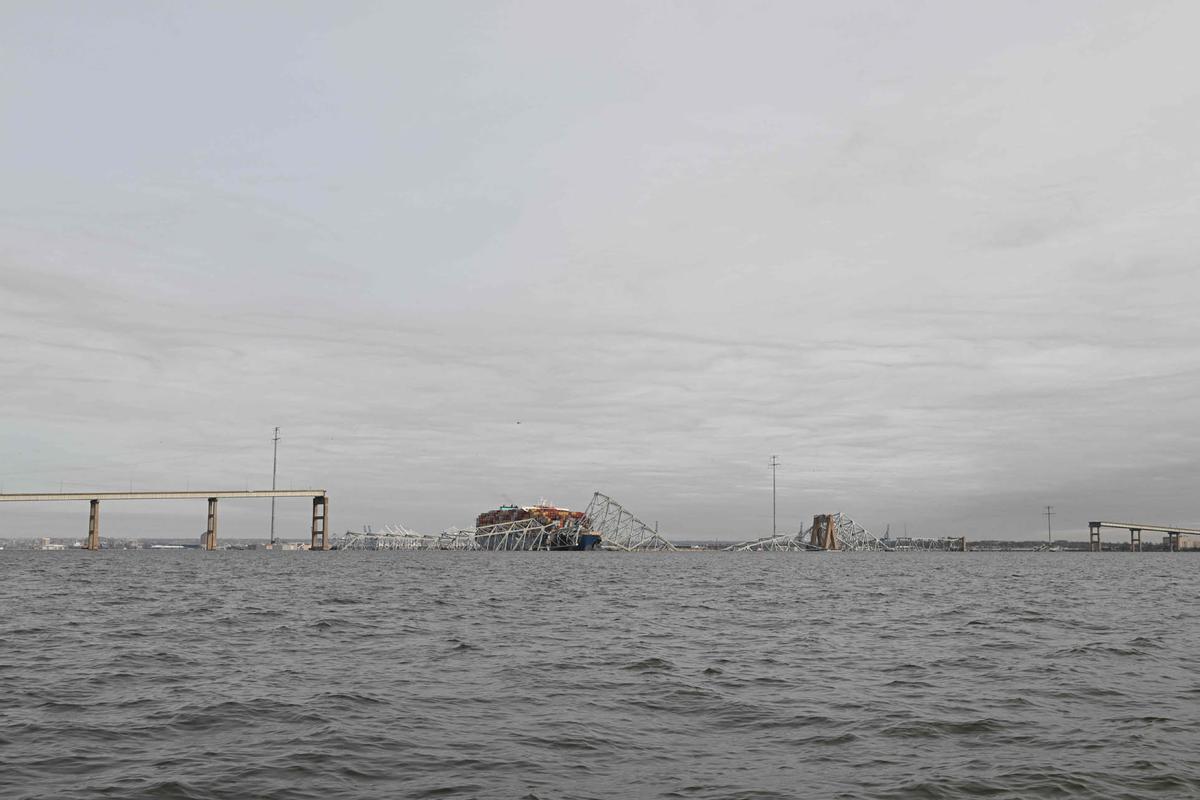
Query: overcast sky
942, 258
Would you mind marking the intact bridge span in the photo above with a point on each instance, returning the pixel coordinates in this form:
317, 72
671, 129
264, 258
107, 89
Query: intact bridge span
320, 508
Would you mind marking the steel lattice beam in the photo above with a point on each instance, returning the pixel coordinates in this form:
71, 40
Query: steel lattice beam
621, 530
390, 538
828, 532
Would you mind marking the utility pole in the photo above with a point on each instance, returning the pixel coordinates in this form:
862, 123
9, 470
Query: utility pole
1048, 513
274, 464
773, 464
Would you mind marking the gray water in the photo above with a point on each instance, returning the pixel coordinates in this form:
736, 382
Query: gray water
598, 675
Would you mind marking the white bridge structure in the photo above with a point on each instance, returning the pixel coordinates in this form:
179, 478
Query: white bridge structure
944, 544
605, 518
621, 530
827, 532
392, 537
527, 534
783, 543
397, 537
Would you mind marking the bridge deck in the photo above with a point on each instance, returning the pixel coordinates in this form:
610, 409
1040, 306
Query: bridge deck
188, 495
1137, 526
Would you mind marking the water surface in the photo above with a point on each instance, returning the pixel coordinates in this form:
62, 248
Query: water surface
184, 674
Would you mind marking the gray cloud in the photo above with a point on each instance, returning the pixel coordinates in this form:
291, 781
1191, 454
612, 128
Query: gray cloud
941, 260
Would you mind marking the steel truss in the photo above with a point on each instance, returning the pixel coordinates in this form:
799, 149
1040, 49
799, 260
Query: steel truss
526, 534
616, 528
457, 539
620, 530
784, 543
392, 537
849, 535
828, 532
947, 544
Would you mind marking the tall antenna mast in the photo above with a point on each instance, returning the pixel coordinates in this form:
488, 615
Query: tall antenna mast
773, 464
274, 464
1048, 513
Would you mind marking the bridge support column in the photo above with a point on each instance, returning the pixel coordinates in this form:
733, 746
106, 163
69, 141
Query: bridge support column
210, 535
823, 532
1094, 536
1135, 540
320, 523
93, 540
1173, 542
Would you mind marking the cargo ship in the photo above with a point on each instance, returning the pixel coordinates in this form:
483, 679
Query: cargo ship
538, 527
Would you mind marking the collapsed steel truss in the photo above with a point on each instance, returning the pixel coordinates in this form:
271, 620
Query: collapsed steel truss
620, 530
828, 532
457, 539
392, 537
784, 543
527, 534
397, 537
839, 532
946, 544
605, 518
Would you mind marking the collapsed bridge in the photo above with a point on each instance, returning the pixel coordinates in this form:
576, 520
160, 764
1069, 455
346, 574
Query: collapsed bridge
607, 525
840, 532
827, 532
604, 525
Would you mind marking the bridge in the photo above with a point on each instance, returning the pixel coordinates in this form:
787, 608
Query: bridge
606, 524
1135, 533
320, 508
827, 532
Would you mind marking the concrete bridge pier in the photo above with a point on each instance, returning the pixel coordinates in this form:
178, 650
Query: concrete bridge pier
93, 540
320, 523
1135, 540
210, 535
1094, 536
824, 533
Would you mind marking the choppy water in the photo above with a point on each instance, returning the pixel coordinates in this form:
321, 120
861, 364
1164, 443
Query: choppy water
597, 675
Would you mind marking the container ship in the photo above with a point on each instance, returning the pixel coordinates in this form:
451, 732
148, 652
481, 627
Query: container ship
538, 527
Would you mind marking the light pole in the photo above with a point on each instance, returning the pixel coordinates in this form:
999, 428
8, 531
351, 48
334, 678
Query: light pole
274, 464
773, 464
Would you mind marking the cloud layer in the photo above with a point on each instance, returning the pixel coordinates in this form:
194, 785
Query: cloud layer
941, 259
